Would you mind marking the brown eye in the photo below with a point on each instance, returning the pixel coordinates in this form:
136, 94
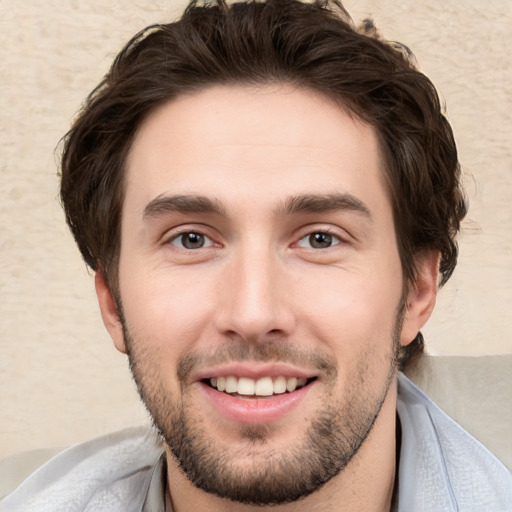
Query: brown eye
318, 240
191, 240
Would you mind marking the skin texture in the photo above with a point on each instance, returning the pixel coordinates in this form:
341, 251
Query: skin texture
271, 166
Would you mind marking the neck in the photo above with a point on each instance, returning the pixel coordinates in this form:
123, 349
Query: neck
364, 485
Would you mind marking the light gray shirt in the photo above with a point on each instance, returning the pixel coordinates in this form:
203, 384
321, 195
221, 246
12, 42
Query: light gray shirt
442, 469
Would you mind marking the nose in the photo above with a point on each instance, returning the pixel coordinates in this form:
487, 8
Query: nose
253, 302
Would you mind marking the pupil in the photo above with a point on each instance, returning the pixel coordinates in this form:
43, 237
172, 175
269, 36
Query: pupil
193, 240
320, 240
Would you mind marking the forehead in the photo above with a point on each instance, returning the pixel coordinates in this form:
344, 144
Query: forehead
261, 145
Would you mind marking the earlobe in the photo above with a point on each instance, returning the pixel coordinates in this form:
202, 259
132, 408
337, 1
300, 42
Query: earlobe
109, 311
421, 298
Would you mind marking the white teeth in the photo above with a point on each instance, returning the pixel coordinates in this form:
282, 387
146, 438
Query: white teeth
266, 386
279, 385
231, 384
291, 384
245, 386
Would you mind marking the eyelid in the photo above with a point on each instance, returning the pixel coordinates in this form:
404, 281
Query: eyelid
337, 233
175, 233
208, 241
335, 238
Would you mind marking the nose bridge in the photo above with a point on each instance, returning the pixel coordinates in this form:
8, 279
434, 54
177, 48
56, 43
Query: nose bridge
255, 302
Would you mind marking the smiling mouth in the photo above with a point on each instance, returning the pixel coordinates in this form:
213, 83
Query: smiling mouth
245, 387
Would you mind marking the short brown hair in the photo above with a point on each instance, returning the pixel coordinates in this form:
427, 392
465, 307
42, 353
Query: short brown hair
311, 45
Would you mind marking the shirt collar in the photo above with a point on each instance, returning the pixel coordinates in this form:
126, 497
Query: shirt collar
155, 498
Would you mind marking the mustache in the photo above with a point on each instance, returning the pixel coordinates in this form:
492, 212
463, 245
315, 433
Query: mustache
269, 352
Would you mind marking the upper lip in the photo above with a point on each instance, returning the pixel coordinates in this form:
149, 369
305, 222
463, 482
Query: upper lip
253, 370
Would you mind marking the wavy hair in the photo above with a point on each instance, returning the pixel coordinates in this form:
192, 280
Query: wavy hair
310, 45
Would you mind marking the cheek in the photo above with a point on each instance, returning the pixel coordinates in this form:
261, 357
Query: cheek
167, 309
351, 310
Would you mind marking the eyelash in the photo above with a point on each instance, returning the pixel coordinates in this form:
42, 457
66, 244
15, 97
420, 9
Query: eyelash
206, 242
181, 235
333, 239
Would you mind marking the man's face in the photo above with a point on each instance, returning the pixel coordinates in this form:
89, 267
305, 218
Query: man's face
258, 254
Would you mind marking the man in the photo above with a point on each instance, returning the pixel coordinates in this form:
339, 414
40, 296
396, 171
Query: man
269, 199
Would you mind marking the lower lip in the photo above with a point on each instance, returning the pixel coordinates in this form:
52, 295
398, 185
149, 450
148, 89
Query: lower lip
255, 410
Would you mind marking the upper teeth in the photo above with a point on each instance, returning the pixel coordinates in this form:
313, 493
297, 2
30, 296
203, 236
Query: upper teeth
265, 386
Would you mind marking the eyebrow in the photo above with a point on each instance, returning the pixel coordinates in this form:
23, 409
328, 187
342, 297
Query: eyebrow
305, 203
324, 203
162, 205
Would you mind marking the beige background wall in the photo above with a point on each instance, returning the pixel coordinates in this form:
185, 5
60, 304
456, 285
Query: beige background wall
60, 378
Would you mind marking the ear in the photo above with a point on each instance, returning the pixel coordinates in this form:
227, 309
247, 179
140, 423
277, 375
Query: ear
109, 312
421, 297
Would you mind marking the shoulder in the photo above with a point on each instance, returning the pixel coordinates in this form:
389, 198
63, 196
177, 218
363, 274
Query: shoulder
108, 473
442, 467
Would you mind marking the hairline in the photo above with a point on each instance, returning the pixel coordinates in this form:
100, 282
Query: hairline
336, 100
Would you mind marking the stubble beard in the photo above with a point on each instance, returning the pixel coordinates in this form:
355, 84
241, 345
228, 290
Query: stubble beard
274, 476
